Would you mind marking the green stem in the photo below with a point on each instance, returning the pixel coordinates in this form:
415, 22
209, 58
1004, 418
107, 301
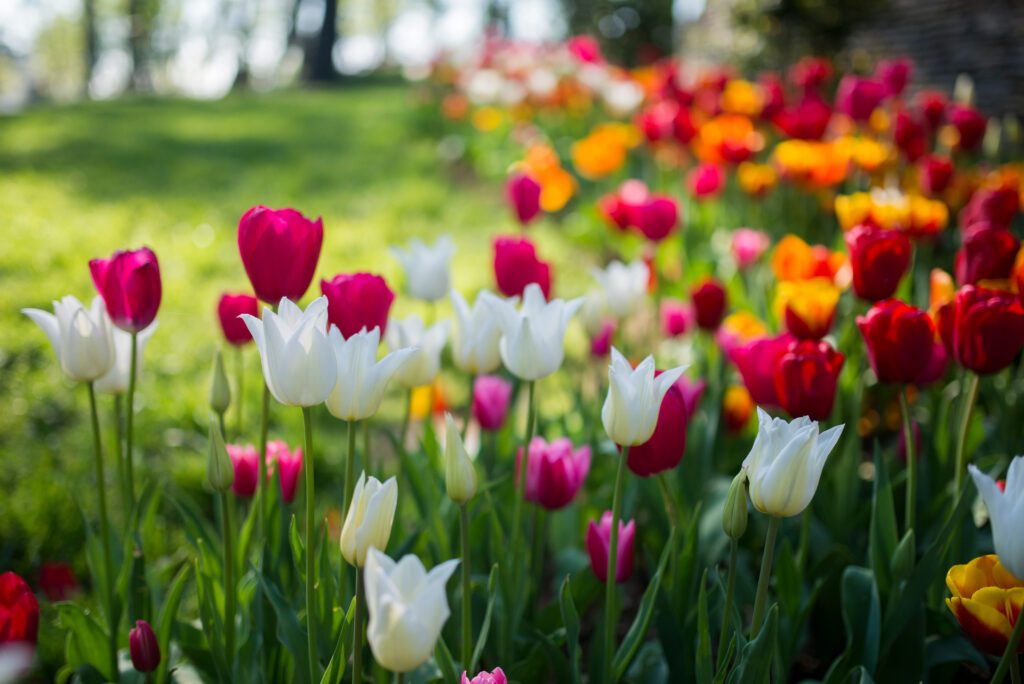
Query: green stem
1015, 670
908, 439
406, 419
674, 522
517, 515
307, 419
262, 490
239, 386
970, 396
467, 614
730, 596
108, 565
129, 423
609, 580
357, 631
122, 477
229, 578
350, 467
761, 599
1009, 660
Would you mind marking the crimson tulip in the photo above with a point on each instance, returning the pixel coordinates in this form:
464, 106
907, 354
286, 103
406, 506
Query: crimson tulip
879, 257
599, 539
491, 395
902, 343
554, 472
807, 120
229, 308
970, 126
983, 329
143, 646
806, 377
810, 73
988, 253
894, 74
523, 194
656, 218
57, 581
664, 450
858, 97
935, 173
129, 283
996, 205
910, 135
280, 249
356, 301
246, 463
19, 610
932, 104
709, 303
516, 265
756, 362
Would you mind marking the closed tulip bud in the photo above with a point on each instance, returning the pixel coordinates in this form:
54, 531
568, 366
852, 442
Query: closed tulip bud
858, 97
220, 389
427, 344
491, 396
81, 338
734, 513
129, 283
987, 600
368, 521
497, 676
630, 411
144, 648
116, 379
935, 173
894, 75
1006, 511
996, 206
356, 301
426, 268
475, 345
554, 472
599, 539
878, 258
229, 310
624, 285
516, 266
459, 473
407, 608
709, 303
279, 249
365, 379
220, 473
656, 218
245, 463
784, 465
970, 126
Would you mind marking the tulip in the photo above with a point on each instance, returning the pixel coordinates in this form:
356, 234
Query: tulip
756, 361
806, 377
57, 581
19, 611
858, 97
737, 407
116, 380
705, 181
1006, 511
532, 337
407, 608
129, 283
220, 472
935, 173
289, 466
495, 677
427, 344
987, 601
368, 521
426, 267
807, 120
879, 258
676, 317
356, 301
245, 462
631, 408
279, 249
656, 218
363, 379
601, 344
491, 396
810, 73
523, 195
624, 285
970, 126
220, 390
996, 206
894, 75
298, 362
1017, 277
932, 104
599, 542
615, 212
459, 473
808, 307
229, 309
984, 330
516, 266
475, 345
81, 338
144, 648
988, 253
554, 471
734, 512
910, 135
709, 302
748, 245
901, 342
664, 450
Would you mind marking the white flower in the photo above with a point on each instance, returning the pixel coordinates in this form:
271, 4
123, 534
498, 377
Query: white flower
298, 364
426, 267
116, 380
369, 518
407, 607
475, 345
81, 338
631, 409
594, 312
459, 473
624, 285
362, 379
1006, 510
785, 463
532, 337
428, 343
622, 96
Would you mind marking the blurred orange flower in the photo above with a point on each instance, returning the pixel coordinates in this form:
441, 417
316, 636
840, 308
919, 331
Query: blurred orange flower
794, 259
742, 97
811, 164
737, 408
756, 179
604, 151
557, 185
727, 138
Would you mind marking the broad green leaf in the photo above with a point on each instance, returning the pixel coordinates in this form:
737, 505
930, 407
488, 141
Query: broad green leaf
755, 660
861, 616
703, 666
571, 619
87, 641
289, 629
493, 583
165, 620
637, 631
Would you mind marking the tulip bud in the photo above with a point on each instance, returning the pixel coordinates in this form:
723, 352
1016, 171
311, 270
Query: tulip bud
219, 471
369, 519
734, 515
459, 474
220, 390
144, 648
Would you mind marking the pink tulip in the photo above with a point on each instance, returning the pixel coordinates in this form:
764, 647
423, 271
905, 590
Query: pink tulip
554, 472
129, 283
279, 249
491, 395
748, 245
676, 317
601, 345
585, 49
656, 218
356, 301
599, 539
516, 265
288, 464
523, 194
705, 181
894, 75
246, 463
497, 676
229, 308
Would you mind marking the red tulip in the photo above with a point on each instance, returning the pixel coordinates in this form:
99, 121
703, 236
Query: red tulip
614, 211
129, 283
57, 581
246, 463
996, 205
664, 450
19, 610
523, 194
356, 301
988, 253
806, 377
709, 303
879, 258
756, 361
657, 121
902, 343
288, 464
807, 120
858, 97
280, 249
601, 344
932, 104
683, 127
705, 181
984, 329
554, 472
909, 135
773, 95
143, 646
970, 126
894, 75
810, 73
599, 540
491, 395
657, 217
935, 173
229, 308
516, 265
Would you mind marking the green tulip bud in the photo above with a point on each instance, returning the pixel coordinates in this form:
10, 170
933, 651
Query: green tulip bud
219, 471
459, 473
220, 390
734, 515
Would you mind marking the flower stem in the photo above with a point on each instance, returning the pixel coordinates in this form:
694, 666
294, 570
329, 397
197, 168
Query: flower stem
610, 578
970, 396
517, 513
406, 419
262, 491
908, 440
672, 512
229, 578
307, 419
239, 385
129, 422
730, 595
761, 599
119, 451
467, 614
101, 491
350, 467
1015, 670
357, 631
1009, 660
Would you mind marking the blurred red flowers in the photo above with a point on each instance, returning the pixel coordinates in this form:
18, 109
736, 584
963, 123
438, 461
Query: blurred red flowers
19, 610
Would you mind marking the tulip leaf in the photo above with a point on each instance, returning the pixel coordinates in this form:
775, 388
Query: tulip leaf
298, 549
571, 619
339, 659
787, 579
953, 649
703, 666
165, 619
755, 660
197, 529
882, 536
87, 640
493, 584
289, 629
902, 564
444, 661
861, 616
724, 661
637, 631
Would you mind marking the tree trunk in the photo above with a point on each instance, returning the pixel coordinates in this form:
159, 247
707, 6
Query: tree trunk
137, 37
91, 42
323, 65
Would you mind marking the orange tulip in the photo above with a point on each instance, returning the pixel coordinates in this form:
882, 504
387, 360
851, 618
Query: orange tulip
808, 307
986, 601
604, 151
794, 259
737, 407
756, 179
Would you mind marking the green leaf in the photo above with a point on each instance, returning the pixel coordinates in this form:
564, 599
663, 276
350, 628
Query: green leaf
298, 549
571, 619
755, 662
87, 642
861, 616
444, 661
339, 659
953, 649
289, 629
485, 629
637, 631
165, 620
882, 536
703, 666
903, 558
787, 579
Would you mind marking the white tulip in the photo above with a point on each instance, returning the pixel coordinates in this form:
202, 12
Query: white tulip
1006, 510
624, 285
476, 343
369, 518
81, 338
459, 473
532, 337
426, 267
785, 463
116, 380
407, 607
622, 96
594, 312
362, 379
298, 364
428, 343
631, 409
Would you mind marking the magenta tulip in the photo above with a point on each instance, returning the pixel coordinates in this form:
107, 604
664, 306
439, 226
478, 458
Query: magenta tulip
229, 308
516, 265
858, 97
280, 249
554, 472
129, 283
288, 465
491, 395
356, 301
599, 537
523, 194
601, 344
676, 317
143, 647
656, 218
756, 361
246, 463
497, 676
